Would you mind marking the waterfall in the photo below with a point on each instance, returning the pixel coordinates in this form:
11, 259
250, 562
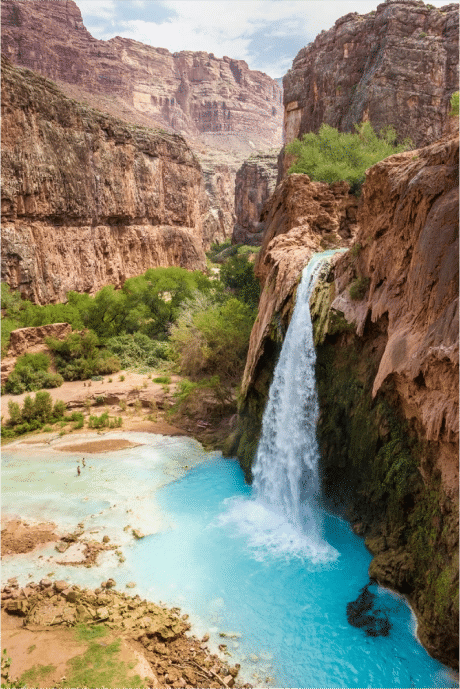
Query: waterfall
286, 467
284, 514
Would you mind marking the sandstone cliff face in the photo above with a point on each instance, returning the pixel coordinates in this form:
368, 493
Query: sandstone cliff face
88, 200
219, 101
255, 182
386, 325
397, 65
408, 234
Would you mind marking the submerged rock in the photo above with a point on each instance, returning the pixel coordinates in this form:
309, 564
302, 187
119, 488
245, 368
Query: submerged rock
361, 613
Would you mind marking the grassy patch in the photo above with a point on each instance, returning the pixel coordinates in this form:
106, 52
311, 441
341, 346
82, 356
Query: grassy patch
163, 379
99, 665
36, 675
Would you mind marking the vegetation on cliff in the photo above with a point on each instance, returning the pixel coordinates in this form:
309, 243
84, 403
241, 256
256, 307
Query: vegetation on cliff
330, 156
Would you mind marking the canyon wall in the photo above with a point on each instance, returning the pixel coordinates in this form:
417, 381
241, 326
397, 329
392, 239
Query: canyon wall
88, 200
254, 183
217, 102
386, 327
396, 66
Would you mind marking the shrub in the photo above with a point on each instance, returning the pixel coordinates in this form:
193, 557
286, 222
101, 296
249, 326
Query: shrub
138, 349
31, 373
330, 156
15, 412
33, 415
212, 339
43, 407
59, 409
79, 356
454, 105
162, 379
422, 34
98, 421
359, 288
36, 362
238, 274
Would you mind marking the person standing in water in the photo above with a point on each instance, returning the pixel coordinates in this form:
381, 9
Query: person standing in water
78, 470
83, 462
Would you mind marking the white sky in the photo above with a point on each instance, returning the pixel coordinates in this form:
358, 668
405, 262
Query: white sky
268, 34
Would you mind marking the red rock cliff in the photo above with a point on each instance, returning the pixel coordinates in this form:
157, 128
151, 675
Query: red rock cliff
397, 65
254, 183
88, 200
408, 251
219, 101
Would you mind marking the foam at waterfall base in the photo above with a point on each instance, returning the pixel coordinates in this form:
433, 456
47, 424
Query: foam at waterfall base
268, 533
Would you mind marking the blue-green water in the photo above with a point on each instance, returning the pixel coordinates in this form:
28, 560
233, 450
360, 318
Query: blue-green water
288, 610
220, 556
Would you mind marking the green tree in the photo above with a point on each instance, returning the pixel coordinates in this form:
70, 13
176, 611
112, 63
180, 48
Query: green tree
238, 274
331, 156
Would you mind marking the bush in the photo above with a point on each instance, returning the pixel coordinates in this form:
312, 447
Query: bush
79, 356
104, 421
34, 414
15, 412
330, 156
31, 373
359, 288
212, 339
138, 350
59, 409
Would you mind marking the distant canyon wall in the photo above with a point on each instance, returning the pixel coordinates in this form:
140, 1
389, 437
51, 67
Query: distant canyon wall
254, 183
88, 200
220, 102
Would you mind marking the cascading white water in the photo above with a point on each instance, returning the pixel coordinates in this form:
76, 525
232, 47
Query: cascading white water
284, 516
286, 467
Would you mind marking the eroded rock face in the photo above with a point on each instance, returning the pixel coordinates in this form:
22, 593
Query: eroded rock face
88, 200
408, 237
255, 182
397, 65
219, 101
29, 339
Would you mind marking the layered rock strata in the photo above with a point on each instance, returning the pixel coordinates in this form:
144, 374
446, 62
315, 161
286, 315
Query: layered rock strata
218, 100
255, 182
397, 65
88, 200
386, 326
